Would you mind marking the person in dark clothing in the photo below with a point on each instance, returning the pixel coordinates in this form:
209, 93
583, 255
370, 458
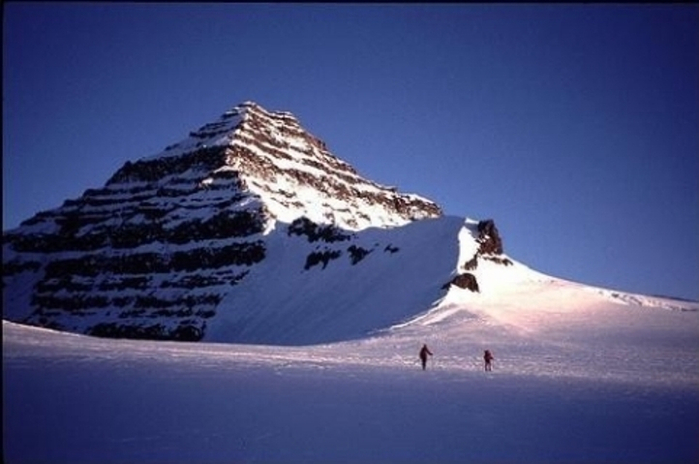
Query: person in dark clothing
423, 356
488, 357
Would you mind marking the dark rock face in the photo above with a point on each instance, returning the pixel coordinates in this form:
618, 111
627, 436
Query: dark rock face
184, 332
495, 259
324, 257
471, 264
489, 238
314, 232
153, 252
466, 281
357, 253
202, 160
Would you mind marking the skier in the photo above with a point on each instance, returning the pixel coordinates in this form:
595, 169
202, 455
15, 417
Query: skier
488, 357
423, 356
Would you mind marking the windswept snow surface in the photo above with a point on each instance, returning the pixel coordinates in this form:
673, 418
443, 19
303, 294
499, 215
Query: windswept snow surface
581, 375
283, 303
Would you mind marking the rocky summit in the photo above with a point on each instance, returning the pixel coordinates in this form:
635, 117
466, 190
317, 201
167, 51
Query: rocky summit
191, 243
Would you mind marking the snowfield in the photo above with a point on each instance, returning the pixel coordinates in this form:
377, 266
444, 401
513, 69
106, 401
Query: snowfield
580, 375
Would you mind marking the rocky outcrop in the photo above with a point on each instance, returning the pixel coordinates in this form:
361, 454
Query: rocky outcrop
314, 232
324, 257
357, 253
471, 264
489, 248
466, 281
489, 239
498, 260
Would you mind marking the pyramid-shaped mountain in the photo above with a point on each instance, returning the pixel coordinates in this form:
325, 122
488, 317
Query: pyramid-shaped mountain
248, 230
271, 161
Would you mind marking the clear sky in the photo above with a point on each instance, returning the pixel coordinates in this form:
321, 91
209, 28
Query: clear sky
575, 127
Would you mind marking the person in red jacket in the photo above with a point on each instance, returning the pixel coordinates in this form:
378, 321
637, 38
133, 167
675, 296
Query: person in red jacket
423, 356
488, 357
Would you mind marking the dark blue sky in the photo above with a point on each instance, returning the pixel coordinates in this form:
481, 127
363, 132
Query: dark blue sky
574, 126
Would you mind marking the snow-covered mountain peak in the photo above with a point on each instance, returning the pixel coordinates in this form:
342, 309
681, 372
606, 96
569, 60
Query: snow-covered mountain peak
247, 116
155, 252
290, 170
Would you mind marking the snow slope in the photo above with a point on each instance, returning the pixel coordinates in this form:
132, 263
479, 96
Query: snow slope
581, 375
284, 303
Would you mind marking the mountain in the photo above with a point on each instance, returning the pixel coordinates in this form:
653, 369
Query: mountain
214, 237
249, 230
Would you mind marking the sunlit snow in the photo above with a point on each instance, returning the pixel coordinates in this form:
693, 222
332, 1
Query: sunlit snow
580, 375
